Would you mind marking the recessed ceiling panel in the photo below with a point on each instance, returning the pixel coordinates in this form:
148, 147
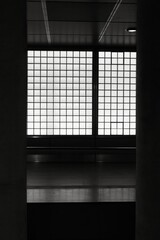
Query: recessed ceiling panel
125, 13
116, 35
119, 29
87, 28
118, 41
34, 11
72, 40
78, 11
36, 27
76, 30
80, 22
129, 1
37, 39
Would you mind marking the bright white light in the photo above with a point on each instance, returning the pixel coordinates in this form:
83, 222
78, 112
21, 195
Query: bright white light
131, 30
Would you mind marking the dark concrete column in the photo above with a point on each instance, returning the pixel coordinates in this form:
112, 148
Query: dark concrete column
12, 120
148, 121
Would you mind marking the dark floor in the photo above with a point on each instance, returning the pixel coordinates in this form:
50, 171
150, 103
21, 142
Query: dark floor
81, 201
81, 221
80, 182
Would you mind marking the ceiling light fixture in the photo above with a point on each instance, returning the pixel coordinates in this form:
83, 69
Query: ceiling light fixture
131, 30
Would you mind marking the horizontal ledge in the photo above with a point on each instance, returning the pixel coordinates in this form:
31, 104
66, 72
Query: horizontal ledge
79, 148
101, 194
87, 186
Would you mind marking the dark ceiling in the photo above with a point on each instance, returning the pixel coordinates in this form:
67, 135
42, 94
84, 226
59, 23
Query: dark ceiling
81, 23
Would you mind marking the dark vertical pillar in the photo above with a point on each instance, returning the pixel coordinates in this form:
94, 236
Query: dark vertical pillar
148, 121
95, 100
12, 120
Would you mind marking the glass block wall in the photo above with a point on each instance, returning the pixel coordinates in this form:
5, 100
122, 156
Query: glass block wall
117, 93
59, 93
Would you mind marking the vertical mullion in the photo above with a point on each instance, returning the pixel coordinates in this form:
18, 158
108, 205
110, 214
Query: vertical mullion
53, 94
27, 125
79, 94
67, 70
123, 91
65, 110
104, 99
44, 62
60, 81
129, 94
111, 125
73, 69
85, 93
28, 83
117, 97
40, 96
95, 94
110, 89
47, 110
33, 92
106, 83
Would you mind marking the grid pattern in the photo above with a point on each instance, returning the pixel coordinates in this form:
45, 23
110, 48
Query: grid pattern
117, 93
59, 93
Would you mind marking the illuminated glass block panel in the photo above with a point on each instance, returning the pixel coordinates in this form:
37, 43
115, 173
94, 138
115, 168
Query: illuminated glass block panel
117, 93
59, 93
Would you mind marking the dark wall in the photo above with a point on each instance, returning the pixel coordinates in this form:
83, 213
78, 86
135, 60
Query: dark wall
82, 149
81, 221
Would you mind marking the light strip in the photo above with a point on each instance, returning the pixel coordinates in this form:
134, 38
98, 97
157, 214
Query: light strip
45, 15
107, 23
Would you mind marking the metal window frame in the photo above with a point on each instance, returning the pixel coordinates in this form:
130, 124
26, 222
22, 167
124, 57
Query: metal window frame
95, 141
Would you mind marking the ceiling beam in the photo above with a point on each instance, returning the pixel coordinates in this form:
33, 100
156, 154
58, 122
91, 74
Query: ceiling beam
107, 23
46, 22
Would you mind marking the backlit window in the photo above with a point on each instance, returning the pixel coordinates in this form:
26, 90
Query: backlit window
59, 93
117, 93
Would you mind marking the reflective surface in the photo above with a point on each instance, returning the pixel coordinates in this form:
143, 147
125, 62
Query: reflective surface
93, 182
